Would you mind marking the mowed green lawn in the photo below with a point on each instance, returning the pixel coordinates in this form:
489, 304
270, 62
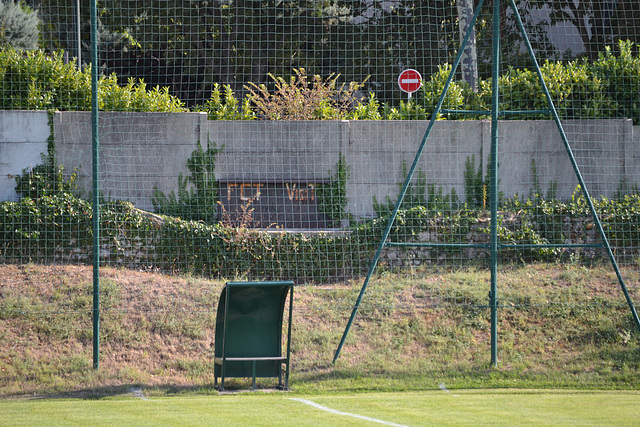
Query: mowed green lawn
441, 408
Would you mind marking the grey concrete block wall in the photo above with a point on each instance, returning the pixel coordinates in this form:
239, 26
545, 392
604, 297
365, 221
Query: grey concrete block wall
276, 150
632, 155
23, 137
138, 152
379, 152
143, 151
598, 146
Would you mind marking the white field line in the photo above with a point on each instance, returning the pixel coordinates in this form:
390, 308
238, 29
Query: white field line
137, 393
346, 414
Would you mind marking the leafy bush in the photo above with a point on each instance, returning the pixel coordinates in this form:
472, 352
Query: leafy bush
225, 106
304, 98
57, 228
621, 80
332, 196
136, 97
419, 193
44, 179
606, 88
199, 204
44, 229
36, 81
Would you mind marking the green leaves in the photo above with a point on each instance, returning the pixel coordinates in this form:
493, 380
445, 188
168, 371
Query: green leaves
305, 98
34, 80
199, 204
18, 25
223, 105
136, 97
58, 227
606, 88
332, 196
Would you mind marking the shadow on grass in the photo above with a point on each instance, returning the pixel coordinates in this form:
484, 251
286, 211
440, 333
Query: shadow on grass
142, 391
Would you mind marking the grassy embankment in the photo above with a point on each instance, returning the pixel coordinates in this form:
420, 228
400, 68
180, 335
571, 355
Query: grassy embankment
559, 327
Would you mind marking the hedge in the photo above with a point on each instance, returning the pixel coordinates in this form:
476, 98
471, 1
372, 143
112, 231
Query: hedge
606, 88
57, 228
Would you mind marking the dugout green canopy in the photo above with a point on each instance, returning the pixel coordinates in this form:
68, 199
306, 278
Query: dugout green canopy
248, 340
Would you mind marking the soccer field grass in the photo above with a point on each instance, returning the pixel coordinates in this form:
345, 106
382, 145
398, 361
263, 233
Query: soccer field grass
463, 407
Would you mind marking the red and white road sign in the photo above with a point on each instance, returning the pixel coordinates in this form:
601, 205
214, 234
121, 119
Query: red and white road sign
410, 80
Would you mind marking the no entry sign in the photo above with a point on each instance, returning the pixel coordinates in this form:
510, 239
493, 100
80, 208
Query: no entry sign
409, 81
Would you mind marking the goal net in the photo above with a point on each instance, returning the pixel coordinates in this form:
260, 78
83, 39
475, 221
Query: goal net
256, 140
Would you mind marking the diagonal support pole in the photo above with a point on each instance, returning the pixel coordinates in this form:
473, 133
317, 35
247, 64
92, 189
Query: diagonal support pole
494, 175
576, 169
407, 181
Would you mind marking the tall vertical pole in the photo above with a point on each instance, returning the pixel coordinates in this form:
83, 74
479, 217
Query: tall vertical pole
493, 295
403, 191
576, 169
78, 16
96, 187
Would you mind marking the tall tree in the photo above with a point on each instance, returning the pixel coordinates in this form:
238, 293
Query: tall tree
599, 23
18, 26
626, 22
512, 49
386, 37
59, 27
190, 45
469, 63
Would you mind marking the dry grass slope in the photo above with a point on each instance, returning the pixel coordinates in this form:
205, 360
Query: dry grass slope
559, 326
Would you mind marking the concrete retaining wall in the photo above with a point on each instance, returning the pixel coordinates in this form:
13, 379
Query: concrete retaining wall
140, 152
23, 136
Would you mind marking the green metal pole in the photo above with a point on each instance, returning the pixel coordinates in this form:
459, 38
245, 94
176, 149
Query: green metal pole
576, 170
493, 295
96, 187
407, 181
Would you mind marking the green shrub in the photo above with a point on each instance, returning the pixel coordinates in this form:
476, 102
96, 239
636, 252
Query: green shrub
136, 97
198, 202
621, 81
606, 88
579, 90
419, 193
332, 196
308, 98
225, 106
58, 228
45, 179
34, 80
44, 229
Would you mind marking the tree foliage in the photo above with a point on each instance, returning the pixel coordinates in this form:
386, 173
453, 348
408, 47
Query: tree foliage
600, 23
304, 98
190, 46
18, 26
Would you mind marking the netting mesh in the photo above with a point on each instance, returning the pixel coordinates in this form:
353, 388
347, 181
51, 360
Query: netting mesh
270, 140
